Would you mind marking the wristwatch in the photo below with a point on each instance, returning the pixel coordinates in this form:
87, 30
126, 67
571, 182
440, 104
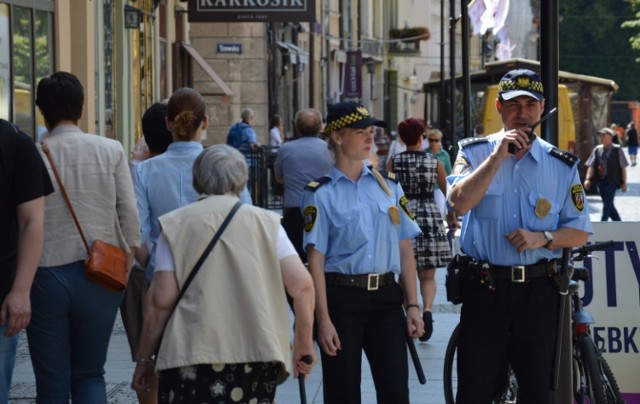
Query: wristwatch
549, 237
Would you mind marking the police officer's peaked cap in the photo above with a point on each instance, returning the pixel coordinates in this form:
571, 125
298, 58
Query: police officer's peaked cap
350, 114
521, 82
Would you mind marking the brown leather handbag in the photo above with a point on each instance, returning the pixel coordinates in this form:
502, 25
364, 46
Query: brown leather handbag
106, 264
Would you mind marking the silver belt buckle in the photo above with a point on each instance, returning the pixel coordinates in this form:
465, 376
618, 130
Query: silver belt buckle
372, 282
518, 274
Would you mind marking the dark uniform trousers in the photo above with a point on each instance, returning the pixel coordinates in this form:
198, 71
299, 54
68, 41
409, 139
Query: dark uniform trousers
293, 224
514, 324
373, 321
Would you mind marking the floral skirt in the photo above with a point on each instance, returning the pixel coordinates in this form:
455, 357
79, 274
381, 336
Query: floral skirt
250, 383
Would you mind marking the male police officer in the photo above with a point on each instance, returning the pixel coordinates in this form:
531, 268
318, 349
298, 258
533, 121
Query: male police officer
517, 220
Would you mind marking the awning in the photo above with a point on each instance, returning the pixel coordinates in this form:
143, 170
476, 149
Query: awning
205, 66
296, 54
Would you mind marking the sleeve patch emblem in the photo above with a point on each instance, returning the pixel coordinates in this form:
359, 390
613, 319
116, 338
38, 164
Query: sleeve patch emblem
404, 204
577, 197
310, 214
461, 166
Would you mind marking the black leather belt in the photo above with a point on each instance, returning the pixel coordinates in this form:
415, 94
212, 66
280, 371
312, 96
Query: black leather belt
421, 195
524, 273
366, 281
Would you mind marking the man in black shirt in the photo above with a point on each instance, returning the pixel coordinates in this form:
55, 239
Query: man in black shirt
24, 182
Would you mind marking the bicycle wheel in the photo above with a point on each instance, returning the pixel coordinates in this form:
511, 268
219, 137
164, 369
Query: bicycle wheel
508, 394
611, 385
591, 387
450, 375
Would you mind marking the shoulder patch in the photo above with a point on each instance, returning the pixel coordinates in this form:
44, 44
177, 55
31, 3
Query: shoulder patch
389, 175
566, 157
315, 184
470, 141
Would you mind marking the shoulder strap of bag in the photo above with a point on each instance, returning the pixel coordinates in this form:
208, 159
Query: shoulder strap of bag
45, 149
207, 250
198, 264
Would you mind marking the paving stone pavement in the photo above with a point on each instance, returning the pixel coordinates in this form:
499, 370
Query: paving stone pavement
119, 367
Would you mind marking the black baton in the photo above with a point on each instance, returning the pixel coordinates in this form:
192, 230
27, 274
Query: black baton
303, 393
416, 361
564, 278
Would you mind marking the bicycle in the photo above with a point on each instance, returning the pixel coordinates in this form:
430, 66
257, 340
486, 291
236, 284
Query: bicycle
593, 381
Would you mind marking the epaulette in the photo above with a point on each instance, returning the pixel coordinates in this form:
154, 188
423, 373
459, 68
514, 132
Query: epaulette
471, 141
315, 184
389, 175
566, 157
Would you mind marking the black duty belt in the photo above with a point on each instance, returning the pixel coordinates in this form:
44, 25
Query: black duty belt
420, 195
366, 281
524, 273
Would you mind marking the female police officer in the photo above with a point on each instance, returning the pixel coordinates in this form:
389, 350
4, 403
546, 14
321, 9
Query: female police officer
357, 231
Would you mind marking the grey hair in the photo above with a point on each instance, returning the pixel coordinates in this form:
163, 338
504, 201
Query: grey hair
246, 114
219, 170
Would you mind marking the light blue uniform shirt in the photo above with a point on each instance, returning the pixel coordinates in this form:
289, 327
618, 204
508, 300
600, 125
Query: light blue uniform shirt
511, 199
348, 221
162, 184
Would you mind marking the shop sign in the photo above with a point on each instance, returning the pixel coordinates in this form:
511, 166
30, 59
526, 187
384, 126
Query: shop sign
251, 10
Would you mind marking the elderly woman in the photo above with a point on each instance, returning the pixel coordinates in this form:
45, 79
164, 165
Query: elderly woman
228, 337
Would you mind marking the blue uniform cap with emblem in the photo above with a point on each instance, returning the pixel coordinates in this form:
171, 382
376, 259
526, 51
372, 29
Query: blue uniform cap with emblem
350, 114
520, 82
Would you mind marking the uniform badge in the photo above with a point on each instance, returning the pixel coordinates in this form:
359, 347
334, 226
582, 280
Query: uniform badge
394, 214
577, 197
310, 214
543, 206
404, 204
461, 166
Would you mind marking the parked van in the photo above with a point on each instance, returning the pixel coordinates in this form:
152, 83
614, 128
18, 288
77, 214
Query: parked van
566, 128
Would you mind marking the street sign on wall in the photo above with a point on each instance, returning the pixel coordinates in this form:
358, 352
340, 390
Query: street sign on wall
251, 10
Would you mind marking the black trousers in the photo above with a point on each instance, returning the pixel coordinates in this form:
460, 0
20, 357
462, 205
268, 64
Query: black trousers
372, 321
293, 224
515, 324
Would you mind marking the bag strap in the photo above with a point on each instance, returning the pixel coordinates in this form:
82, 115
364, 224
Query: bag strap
45, 149
207, 250
198, 264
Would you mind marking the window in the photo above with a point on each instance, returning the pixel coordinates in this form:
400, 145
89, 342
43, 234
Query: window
26, 56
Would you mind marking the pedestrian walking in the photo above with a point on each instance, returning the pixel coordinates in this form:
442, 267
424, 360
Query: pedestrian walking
24, 182
357, 231
607, 170
72, 316
157, 137
632, 142
435, 147
418, 172
516, 223
226, 338
298, 163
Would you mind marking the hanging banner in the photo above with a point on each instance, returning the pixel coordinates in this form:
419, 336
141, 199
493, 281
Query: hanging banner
353, 75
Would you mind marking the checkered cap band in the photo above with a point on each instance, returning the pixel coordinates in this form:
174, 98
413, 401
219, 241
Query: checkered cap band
521, 83
345, 121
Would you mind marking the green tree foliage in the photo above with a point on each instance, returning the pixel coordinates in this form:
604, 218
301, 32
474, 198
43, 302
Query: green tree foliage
634, 26
593, 42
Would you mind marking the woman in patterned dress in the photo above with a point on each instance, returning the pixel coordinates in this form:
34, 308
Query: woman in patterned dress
418, 173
